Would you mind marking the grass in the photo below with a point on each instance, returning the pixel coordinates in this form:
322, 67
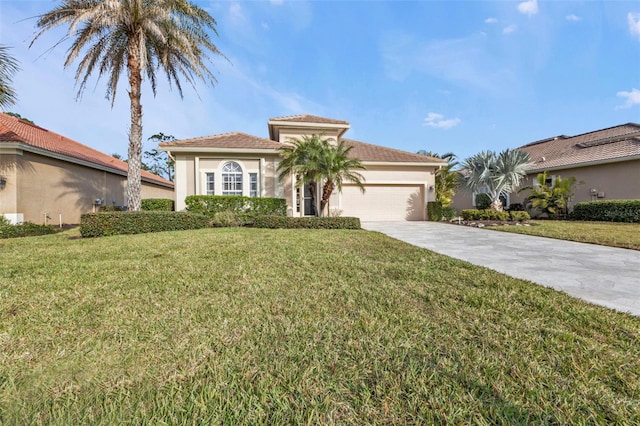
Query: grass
623, 235
253, 326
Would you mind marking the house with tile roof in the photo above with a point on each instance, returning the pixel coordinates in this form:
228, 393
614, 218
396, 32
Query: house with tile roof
398, 184
605, 163
48, 178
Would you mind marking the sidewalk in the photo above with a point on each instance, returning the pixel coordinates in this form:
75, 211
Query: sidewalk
602, 275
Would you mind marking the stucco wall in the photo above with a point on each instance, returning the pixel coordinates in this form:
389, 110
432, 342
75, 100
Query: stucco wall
48, 188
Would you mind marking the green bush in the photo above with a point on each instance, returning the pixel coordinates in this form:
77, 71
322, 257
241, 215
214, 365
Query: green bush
245, 208
475, 214
483, 201
608, 211
157, 204
226, 218
517, 207
519, 216
112, 209
434, 211
286, 222
116, 223
449, 213
26, 229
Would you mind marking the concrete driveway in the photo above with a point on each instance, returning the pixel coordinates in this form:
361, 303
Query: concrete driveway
603, 275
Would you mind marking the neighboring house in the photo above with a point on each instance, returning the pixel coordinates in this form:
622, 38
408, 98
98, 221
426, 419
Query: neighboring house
46, 177
605, 163
398, 184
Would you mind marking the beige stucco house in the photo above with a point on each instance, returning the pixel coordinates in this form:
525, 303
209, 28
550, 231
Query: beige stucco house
605, 163
48, 178
398, 184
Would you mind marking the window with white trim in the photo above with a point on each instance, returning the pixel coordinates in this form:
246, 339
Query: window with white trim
253, 184
211, 184
232, 179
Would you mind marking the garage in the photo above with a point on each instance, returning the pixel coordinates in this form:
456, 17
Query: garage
383, 202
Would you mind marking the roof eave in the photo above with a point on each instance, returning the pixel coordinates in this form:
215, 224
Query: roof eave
188, 149
585, 164
403, 163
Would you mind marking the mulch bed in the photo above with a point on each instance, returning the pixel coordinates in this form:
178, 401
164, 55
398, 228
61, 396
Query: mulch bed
486, 223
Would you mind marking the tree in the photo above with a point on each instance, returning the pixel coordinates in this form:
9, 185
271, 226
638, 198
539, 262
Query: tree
313, 159
553, 200
158, 162
447, 179
8, 68
19, 117
336, 167
143, 37
495, 174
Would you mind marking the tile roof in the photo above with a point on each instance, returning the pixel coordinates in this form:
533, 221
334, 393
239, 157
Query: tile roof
306, 118
368, 152
225, 140
611, 144
13, 129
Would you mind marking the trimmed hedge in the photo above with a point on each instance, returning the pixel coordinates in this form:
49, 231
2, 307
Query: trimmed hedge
273, 222
157, 204
245, 208
112, 209
475, 214
519, 216
608, 211
118, 223
26, 229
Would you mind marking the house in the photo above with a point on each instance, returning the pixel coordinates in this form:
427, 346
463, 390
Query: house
605, 163
398, 184
48, 178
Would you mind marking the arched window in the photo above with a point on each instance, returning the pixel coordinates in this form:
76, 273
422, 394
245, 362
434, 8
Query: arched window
232, 179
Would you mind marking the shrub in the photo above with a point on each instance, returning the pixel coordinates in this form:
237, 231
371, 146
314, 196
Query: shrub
448, 213
245, 208
157, 204
519, 216
475, 214
516, 207
286, 222
4, 221
26, 229
434, 211
112, 209
483, 201
608, 211
226, 218
116, 223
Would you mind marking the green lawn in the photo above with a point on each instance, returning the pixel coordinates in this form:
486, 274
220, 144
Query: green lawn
623, 235
251, 326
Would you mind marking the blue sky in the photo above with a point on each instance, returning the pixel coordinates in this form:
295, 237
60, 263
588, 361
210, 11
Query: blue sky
445, 76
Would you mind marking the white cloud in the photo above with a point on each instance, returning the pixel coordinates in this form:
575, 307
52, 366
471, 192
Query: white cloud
573, 17
236, 14
633, 98
529, 7
491, 21
509, 29
437, 121
634, 24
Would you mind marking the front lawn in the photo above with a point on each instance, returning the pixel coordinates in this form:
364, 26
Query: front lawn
255, 326
623, 235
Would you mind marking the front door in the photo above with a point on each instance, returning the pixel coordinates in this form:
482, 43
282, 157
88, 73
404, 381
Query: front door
309, 200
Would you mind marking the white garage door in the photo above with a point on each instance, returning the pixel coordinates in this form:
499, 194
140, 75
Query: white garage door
383, 202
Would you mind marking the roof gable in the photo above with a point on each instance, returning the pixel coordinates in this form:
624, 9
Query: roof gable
234, 140
13, 129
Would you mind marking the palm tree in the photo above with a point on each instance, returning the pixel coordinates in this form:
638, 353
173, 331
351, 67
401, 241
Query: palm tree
141, 36
338, 167
496, 174
447, 179
8, 68
552, 200
312, 159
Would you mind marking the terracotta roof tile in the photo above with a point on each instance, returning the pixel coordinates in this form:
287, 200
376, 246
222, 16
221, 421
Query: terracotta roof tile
607, 144
306, 118
15, 130
227, 140
368, 152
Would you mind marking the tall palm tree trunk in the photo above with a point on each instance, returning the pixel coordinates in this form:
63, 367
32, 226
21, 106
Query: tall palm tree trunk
135, 134
327, 190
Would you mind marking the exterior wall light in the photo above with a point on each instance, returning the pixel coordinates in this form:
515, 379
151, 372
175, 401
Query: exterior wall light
3, 182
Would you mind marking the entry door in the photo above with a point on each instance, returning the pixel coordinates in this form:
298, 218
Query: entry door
309, 205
